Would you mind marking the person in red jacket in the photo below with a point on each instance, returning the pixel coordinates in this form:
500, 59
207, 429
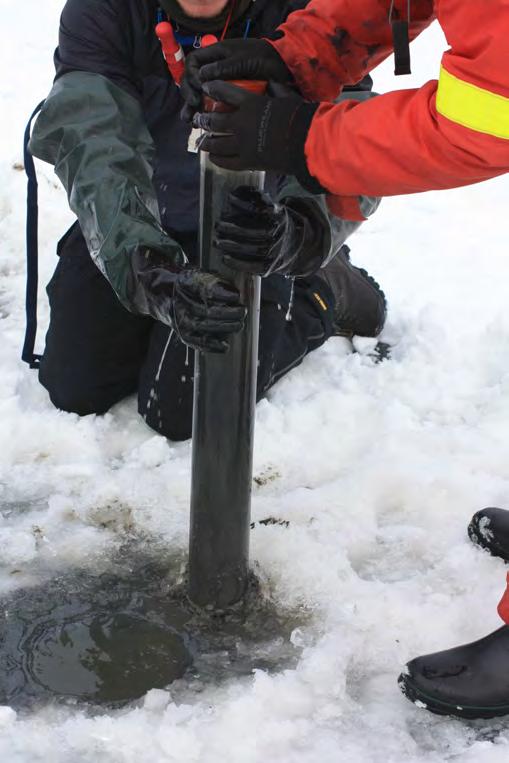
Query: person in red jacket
450, 132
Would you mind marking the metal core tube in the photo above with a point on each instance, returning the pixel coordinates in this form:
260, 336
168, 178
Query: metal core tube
223, 423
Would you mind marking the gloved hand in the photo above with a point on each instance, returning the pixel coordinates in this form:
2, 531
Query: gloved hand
202, 309
259, 237
227, 60
261, 133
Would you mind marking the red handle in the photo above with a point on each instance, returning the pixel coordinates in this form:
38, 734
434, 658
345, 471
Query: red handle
172, 50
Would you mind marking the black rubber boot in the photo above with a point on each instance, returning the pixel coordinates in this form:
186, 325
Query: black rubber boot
470, 681
489, 528
359, 303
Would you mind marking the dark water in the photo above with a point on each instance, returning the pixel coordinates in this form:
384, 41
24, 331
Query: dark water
108, 638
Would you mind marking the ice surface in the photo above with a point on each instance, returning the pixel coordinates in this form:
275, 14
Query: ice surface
377, 468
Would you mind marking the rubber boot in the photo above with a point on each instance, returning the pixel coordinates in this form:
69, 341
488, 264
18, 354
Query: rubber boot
489, 528
470, 681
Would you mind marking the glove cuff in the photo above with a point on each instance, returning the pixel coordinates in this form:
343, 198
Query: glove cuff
311, 234
301, 123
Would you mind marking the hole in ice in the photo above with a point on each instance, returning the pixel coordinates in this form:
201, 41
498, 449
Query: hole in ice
107, 638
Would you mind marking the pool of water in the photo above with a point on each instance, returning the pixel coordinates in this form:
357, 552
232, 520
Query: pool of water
110, 637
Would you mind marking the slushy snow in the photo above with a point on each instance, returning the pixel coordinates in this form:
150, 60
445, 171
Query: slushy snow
377, 468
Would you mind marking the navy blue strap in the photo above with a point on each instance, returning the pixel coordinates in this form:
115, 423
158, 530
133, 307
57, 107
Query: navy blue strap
32, 253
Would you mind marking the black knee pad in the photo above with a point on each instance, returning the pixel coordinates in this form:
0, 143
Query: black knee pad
165, 385
77, 401
176, 429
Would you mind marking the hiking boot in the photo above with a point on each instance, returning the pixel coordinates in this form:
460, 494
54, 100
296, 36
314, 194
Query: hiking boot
489, 529
470, 681
359, 303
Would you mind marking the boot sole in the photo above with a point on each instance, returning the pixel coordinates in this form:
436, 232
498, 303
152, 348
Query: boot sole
439, 707
381, 351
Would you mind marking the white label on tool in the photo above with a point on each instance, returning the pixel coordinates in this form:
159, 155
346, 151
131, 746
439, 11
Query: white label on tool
194, 137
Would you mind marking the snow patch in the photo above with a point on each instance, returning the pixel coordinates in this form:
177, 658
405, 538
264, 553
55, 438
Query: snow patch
376, 468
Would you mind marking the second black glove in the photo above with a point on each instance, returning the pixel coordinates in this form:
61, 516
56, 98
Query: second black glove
203, 309
260, 237
229, 60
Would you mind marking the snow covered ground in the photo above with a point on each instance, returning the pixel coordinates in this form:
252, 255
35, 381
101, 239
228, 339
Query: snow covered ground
378, 468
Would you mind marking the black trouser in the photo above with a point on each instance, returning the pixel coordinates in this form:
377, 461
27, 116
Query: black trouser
97, 352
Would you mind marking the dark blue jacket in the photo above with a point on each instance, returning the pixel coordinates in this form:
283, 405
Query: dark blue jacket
112, 130
130, 55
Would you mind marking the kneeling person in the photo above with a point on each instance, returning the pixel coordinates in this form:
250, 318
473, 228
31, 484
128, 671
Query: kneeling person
127, 300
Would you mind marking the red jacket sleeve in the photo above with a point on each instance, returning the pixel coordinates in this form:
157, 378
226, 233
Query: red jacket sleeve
450, 132
332, 43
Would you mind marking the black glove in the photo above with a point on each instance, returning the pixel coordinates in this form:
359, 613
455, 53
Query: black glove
261, 133
259, 237
200, 307
230, 59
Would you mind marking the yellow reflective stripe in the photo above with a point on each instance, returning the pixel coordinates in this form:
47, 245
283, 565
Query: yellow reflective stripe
471, 106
